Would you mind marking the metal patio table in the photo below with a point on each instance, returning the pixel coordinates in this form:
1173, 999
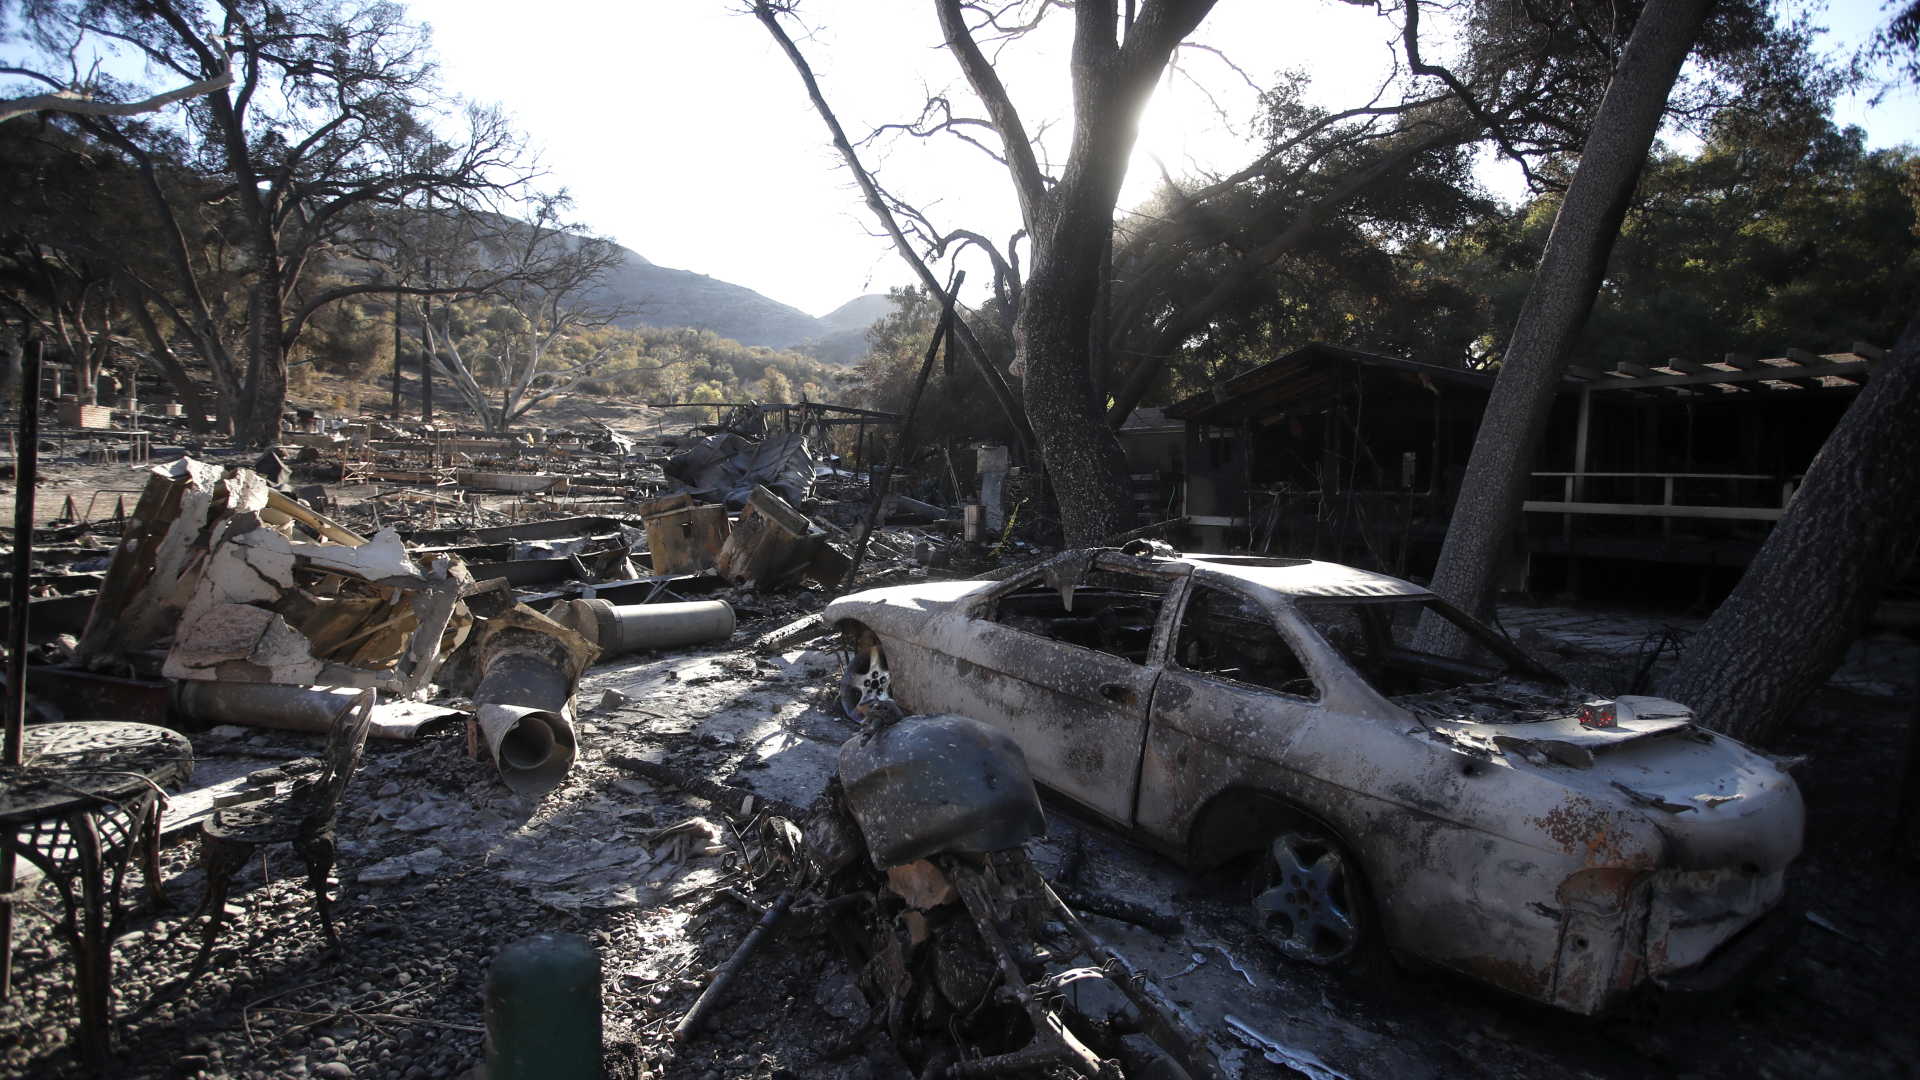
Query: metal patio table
88, 794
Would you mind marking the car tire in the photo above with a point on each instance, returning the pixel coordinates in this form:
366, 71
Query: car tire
1309, 899
863, 670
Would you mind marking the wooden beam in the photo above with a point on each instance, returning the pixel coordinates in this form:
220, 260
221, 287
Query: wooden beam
1742, 361
1580, 372
1805, 358
1638, 371
1758, 373
1684, 367
1871, 352
1655, 510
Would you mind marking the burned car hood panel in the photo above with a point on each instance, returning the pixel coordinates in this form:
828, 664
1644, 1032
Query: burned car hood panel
1565, 740
1715, 801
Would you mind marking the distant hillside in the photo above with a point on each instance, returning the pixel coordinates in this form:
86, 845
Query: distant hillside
845, 339
664, 296
858, 313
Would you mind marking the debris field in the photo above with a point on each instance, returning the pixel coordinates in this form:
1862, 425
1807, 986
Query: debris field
604, 701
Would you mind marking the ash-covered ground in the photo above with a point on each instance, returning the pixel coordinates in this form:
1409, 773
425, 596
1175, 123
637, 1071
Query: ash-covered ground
440, 866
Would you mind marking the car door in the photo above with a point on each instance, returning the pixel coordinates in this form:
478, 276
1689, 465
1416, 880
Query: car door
1067, 666
1235, 692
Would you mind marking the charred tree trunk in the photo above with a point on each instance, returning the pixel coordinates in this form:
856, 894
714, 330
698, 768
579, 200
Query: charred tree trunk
1071, 224
1082, 454
192, 401
1849, 532
1488, 509
393, 409
264, 396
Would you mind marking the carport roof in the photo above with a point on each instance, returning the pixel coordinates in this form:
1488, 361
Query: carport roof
1304, 380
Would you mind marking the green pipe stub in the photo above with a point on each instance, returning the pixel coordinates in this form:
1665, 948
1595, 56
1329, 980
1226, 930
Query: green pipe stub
543, 1010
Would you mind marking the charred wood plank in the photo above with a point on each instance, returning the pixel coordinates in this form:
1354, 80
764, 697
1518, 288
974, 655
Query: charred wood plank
724, 795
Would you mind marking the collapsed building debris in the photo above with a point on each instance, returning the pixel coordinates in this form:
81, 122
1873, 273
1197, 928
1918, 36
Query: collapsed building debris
210, 583
726, 468
684, 537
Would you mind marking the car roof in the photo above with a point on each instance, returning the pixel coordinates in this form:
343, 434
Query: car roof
1304, 577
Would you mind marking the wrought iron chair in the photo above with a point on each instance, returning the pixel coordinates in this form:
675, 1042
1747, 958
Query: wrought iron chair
304, 816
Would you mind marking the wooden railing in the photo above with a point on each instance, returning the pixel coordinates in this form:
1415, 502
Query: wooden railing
1577, 496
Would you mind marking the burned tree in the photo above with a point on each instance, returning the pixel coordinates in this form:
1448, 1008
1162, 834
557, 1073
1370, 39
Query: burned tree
322, 124
1103, 306
1068, 221
1849, 533
1564, 286
547, 276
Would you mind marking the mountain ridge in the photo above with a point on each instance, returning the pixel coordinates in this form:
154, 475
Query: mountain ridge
664, 296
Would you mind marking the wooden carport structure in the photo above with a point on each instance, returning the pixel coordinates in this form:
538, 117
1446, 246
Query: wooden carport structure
1678, 467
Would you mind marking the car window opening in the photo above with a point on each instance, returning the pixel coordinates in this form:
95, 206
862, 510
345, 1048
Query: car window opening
1112, 612
1229, 636
1376, 638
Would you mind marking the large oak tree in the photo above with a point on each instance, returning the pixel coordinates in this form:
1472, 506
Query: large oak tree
332, 113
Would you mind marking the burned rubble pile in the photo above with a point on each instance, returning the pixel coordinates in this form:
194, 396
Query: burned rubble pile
506, 635
578, 748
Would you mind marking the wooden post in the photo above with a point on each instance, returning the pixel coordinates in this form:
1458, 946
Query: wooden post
25, 473
903, 446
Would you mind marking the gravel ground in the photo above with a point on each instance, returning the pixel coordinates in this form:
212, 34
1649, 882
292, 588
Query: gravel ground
440, 867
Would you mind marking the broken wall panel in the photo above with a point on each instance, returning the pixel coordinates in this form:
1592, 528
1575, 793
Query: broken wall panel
157, 566
214, 582
269, 609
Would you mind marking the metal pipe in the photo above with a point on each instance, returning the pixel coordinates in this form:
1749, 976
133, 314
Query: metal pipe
632, 627
283, 708
266, 705
523, 707
532, 748
724, 977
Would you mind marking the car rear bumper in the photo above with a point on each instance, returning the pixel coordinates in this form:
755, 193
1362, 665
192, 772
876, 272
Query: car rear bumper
1739, 959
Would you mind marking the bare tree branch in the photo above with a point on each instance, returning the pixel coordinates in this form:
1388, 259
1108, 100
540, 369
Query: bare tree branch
767, 12
82, 102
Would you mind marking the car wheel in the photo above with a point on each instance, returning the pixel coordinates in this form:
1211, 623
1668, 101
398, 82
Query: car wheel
1308, 899
863, 672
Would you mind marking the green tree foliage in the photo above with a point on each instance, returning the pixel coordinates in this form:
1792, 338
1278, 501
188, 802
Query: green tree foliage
957, 406
1791, 235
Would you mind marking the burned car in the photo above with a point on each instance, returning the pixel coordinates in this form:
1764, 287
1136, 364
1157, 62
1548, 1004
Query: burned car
1473, 811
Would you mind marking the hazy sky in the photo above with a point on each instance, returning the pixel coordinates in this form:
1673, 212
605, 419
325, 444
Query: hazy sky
684, 134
